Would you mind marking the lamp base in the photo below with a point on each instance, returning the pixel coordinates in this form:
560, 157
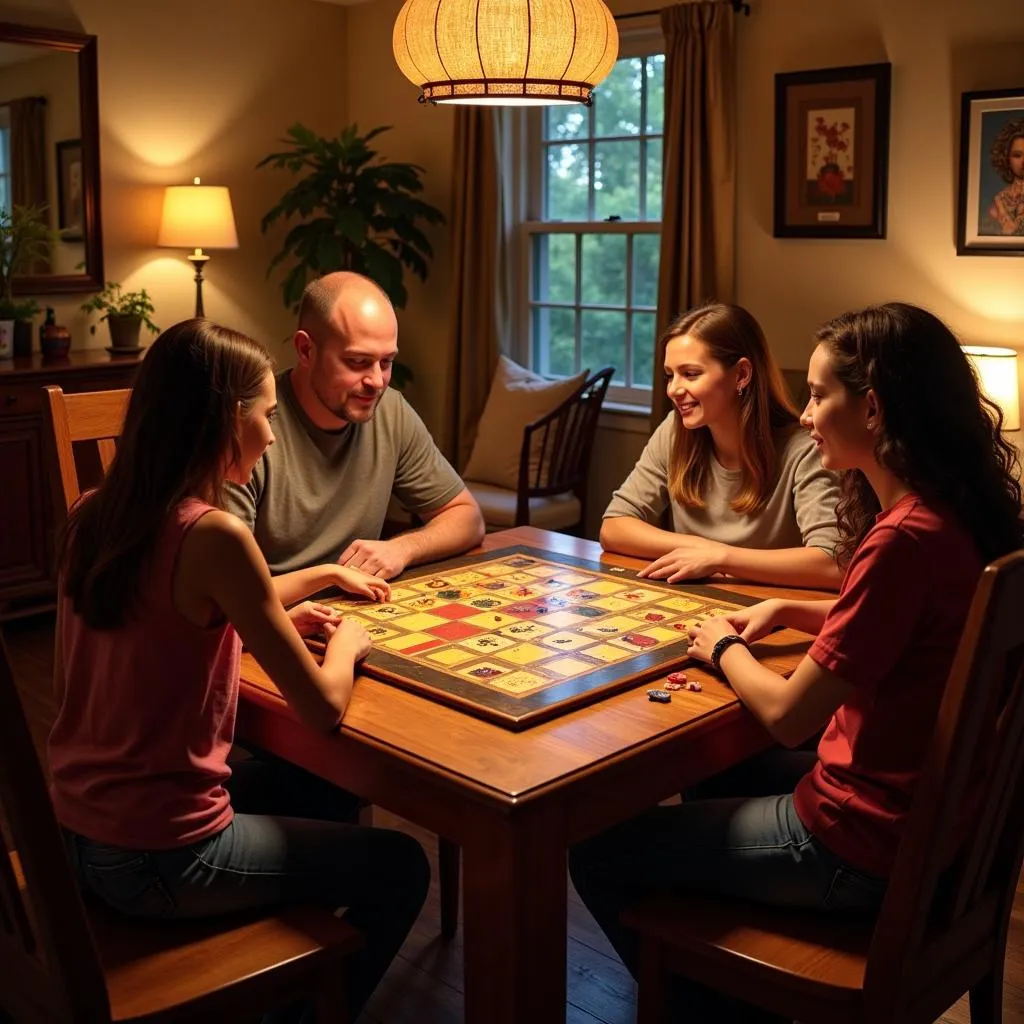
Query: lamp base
197, 259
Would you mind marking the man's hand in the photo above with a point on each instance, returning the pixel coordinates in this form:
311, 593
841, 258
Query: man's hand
356, 581
694, 557
383, 558
310, 617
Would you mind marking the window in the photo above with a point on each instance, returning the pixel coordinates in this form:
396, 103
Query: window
593, 230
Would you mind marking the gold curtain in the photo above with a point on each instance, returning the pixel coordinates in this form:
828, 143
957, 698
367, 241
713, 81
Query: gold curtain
698, 237
481, 290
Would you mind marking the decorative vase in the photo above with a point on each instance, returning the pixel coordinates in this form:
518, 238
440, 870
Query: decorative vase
124, 331
54, 341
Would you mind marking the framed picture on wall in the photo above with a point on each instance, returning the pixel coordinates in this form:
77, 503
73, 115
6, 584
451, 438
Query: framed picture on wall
991, 207
69, 190
832, 152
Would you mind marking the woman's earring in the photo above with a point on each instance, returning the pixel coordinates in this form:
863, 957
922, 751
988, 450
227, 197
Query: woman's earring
739, 390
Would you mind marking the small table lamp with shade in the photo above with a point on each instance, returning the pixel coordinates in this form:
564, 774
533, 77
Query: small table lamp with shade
198, 217
997, 372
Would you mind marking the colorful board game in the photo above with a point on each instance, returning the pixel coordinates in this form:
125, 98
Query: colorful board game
520, 635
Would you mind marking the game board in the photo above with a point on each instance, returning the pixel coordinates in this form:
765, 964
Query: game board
519, 635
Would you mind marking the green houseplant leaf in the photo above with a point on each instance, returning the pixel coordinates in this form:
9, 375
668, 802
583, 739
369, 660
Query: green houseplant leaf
356, 211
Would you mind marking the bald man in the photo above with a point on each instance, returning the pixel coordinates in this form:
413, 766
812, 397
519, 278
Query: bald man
345, 442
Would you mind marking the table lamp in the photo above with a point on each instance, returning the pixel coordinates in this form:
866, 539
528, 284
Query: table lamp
997, 372
198, 217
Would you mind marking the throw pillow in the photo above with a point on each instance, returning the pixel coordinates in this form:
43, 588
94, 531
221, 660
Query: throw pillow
518, 398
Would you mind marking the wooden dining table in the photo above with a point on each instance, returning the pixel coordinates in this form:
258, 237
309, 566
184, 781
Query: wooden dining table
516, 801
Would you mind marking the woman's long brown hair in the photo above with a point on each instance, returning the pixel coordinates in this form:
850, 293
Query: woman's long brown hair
938, 433
178, 440
731, 333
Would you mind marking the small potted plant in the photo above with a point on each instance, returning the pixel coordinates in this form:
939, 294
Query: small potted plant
125, 313
26, 239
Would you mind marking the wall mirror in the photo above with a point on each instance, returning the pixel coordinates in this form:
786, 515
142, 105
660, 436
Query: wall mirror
49, 149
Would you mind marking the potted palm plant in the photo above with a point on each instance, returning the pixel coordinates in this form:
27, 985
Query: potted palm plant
125, 314
26, 240
355, 212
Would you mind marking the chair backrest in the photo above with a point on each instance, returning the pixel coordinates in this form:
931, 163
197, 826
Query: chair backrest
950, 895
555, 455
96, 417
49, 970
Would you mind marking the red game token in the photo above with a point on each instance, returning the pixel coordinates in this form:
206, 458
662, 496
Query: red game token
677, 677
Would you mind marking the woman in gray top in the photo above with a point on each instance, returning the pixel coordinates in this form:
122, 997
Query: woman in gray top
748, 493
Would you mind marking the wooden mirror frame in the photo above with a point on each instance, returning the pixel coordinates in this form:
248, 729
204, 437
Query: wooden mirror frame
91, 279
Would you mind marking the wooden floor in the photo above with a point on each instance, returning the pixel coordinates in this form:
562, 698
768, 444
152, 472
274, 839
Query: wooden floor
424, 985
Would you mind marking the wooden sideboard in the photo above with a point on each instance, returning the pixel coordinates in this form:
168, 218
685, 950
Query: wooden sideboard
26, 501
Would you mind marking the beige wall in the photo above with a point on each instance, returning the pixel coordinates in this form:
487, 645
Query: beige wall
201, 87
938, 48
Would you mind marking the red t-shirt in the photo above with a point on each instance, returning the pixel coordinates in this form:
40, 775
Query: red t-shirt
892, 635
138, 752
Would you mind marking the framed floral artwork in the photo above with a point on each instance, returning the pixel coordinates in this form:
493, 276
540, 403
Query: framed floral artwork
832, 152
990, 221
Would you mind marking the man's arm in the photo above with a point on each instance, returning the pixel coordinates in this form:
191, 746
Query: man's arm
449, 530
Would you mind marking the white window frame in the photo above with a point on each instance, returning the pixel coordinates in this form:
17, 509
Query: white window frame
528, 153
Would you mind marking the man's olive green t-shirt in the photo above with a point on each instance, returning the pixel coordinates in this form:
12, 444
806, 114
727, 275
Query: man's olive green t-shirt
315, 491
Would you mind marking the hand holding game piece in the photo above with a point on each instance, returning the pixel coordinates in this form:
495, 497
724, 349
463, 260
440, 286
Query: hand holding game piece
704, 635
352, 634
311, 617
383, 558
756, 621
356, 581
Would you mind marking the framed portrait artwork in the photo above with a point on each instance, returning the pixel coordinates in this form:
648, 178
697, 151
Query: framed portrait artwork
991, 207
69, 190
832, 152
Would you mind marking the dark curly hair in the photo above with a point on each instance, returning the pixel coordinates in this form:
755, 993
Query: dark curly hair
1000, 151
939, 434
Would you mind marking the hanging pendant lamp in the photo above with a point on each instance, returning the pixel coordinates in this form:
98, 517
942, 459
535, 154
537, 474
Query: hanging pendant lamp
505, 52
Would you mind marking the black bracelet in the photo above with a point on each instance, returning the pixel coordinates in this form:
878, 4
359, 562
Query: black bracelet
722, 645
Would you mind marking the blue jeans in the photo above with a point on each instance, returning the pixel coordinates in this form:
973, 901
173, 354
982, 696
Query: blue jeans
288, 843
736, 834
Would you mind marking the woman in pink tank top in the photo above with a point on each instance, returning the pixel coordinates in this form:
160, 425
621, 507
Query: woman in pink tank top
159, 588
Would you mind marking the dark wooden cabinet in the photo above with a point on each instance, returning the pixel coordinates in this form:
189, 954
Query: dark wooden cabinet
26, 501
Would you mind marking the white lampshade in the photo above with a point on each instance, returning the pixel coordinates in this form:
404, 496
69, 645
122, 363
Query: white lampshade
198, 216
997, 371
505, 52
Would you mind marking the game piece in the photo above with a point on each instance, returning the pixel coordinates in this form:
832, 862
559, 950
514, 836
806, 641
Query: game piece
465, 633
659, 696
693, 686
673, 686
677, 677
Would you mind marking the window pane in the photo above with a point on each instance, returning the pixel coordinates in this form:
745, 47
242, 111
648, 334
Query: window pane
645, 269
617, 180
554, 341
643, 349
617, 100
5, 149
566, 183
603, 340
566, 122
554, 268
656, 93
603, 274
655, 148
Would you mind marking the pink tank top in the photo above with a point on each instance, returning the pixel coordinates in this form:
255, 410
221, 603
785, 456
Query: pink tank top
138, 753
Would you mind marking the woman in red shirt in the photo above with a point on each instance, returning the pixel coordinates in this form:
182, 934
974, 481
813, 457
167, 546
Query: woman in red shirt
159, 587
929, 497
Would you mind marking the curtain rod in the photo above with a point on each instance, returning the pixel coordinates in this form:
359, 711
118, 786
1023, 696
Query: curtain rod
737, 5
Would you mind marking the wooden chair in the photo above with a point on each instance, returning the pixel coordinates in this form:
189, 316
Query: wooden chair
553, 464
940, 931
93, 421
63, 961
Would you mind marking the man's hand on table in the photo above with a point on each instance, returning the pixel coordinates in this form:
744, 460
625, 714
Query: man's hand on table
383, 558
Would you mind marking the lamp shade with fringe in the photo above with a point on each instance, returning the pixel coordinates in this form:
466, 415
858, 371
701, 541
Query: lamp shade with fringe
505, 52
